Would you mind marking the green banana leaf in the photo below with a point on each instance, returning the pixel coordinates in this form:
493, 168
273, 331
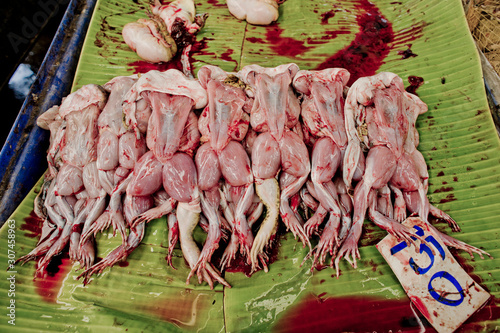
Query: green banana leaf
457, 138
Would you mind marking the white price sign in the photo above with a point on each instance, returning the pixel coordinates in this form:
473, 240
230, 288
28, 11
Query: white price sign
433, 280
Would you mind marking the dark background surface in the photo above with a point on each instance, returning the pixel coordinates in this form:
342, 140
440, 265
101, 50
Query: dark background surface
26, 32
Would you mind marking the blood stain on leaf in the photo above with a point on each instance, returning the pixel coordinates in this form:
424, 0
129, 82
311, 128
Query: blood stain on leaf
48, 287
108, 39
408, 53
123, 263
216, 3
365, 54
182, 310
341, 314
240, 265
415, 83
284, 46
141, 66
449, 198
33, 225
255, 40
371, 45
326, 16
406, 35
444, 189
226, 56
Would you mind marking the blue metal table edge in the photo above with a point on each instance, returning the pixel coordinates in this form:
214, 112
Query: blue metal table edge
23, 156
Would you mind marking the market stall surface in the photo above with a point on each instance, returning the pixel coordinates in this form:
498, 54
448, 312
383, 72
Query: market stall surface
457, 139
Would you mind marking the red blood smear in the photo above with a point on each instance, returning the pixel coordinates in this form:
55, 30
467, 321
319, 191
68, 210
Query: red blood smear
332, 34
123, 263
284, 46
415, 83
216, 3
328, 36
183, 311
408, 53
226, 56
374, 265
464, 263
239, 265
449, 198
32, 224
362, 57
350, 314
406, 35
48, 287
420, 306
256, 40
444, 189
370, 46
77, 228
342, 314
326, 16
295, 202
372, 235
141, 66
